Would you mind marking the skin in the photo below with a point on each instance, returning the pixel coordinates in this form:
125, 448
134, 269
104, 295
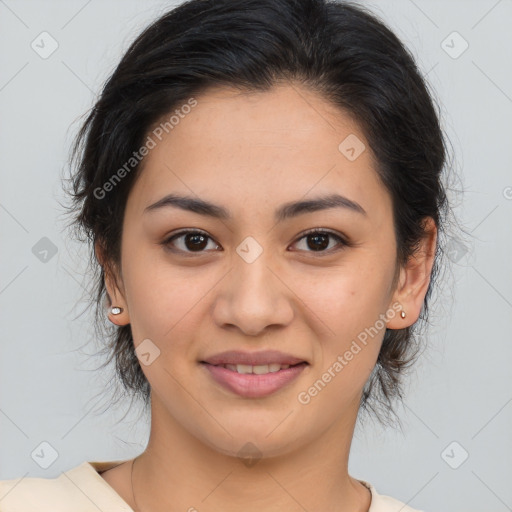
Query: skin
250, 153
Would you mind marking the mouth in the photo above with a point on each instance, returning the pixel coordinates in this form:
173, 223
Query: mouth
263, 360
260, 369
253, 381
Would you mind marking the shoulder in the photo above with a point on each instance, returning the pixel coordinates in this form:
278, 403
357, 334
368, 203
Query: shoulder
81, 489
384, 503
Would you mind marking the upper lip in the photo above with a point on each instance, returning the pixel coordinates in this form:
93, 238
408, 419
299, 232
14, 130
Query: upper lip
253, 358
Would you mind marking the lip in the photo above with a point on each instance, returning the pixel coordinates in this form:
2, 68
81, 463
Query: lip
253, 358
252, 385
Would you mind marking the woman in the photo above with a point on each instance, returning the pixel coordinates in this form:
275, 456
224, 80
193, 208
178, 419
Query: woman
260, 181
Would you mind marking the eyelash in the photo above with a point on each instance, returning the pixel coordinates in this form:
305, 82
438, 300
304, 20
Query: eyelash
341, 241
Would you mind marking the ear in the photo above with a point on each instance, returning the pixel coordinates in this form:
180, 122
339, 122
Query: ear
113, 284
414, 279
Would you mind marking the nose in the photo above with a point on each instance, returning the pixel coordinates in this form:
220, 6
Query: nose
254, 297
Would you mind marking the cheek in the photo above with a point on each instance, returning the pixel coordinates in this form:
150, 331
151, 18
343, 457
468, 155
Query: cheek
345, 297
346, 305
164, 309
165, 301
152, 301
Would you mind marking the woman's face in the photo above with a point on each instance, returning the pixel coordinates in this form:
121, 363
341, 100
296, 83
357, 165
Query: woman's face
255, 282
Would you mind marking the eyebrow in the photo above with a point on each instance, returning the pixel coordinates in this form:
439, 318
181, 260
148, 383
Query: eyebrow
286, 211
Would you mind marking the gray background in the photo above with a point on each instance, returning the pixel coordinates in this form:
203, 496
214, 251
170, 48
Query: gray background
460, 391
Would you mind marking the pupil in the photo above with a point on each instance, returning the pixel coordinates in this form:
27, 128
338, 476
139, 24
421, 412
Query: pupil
199, 241
200, 245
322, 245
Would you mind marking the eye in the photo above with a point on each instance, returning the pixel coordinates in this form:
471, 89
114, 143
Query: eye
196, 241
318, 240
190, 241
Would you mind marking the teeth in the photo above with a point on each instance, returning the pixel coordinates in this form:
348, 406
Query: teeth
257, 369
244, 368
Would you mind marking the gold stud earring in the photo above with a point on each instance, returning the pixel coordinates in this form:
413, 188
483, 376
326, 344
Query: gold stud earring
116, 310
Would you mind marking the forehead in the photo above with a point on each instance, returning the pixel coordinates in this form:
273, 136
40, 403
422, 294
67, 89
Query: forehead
251, 149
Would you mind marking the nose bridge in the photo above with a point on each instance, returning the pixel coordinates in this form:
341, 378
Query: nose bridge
252, 277
254, 298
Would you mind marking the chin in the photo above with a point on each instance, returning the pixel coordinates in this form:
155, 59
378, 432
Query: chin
251, 443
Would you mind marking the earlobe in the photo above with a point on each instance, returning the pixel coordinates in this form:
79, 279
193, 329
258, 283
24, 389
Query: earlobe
415, 279
115, 302
115, 314
117, 311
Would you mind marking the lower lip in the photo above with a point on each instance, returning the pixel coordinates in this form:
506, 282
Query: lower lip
251, 385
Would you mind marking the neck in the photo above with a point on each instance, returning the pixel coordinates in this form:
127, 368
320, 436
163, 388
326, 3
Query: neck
179, 472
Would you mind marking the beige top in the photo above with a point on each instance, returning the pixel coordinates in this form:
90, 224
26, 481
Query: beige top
82, 489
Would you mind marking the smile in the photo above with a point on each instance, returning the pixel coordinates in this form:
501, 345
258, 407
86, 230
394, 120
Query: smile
256, 381
260, 369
